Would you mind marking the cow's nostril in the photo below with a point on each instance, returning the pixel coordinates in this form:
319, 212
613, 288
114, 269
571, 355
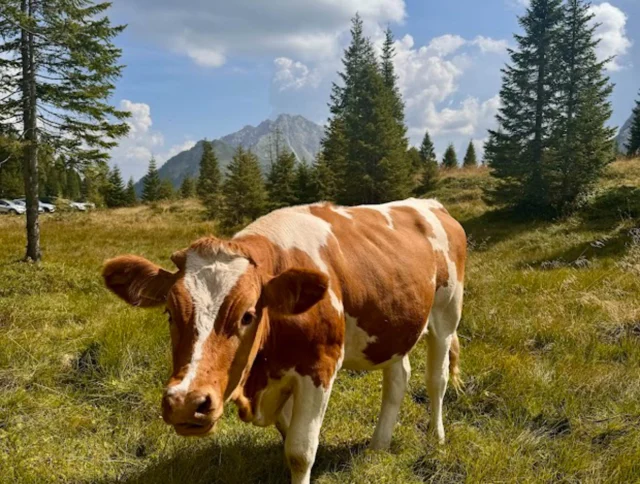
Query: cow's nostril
204, 407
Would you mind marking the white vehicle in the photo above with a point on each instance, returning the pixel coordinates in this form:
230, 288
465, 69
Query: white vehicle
44, 207
7, 206
82, 206
21, 202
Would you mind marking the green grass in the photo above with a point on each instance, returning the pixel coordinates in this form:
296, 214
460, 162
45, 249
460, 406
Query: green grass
550, 355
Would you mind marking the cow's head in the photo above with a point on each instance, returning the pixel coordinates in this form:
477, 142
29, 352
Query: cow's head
218, 303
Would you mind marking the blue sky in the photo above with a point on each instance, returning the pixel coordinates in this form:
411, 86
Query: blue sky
206, 68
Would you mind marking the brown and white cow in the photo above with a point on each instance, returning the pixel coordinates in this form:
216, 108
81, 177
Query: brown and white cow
267, 318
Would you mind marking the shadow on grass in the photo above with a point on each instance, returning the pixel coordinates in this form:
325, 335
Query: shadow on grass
241, 462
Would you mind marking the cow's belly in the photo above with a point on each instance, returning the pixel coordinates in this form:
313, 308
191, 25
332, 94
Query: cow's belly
371, 351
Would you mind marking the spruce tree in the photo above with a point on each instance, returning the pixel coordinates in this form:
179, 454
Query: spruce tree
187, 188
130, 197
427, 151
470, 159
304, 186
115, 193
74, 182
165, 190
582, 144
330, 167
518, 149
59, 67
428, 166
450, 159
209, 185
281, 181
326, 183
633, 145
151, 184
244, 190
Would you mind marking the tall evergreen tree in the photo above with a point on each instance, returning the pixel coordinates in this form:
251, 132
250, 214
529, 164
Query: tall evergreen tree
633, 146
115, 194
428, 165
151, 183
209, 185
470, 159
187, 188
244, 190
582, 143
281, 181
325, 181
72, 191
450, 159
165, 190
427, 151
130, 196
330, 167
304, 186
59, 66
517, 150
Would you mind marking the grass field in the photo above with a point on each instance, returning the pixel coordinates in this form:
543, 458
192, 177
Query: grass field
550, 355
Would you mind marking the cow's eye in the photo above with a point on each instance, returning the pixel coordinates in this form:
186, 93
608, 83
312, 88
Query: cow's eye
248, 317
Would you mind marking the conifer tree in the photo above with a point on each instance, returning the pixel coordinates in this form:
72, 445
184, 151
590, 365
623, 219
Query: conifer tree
325, 181
151, 184
633, 146
450, 159
244, 190
74, 182
427, 151
130, 196
470, 159
115, 193
517, 149
187, 188
582, 144
330, 167
59, 67
281, 181
428, 165
304, 186
209, 185
165, 190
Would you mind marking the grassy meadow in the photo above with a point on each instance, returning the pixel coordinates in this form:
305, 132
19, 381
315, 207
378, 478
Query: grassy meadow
550, 356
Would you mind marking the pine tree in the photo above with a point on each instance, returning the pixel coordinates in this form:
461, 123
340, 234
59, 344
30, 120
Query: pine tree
187, 188
209, 185
325, 181
115, 194
470, 159
330, 167
304, 186
517, 149
281, 181
151, 184
450, 159
428, 165
244, 190
72, 191
59, 65
95, 183
130, 197
633, 146
165, 190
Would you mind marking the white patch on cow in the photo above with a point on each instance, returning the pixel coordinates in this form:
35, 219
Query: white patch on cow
342, 211
356, 341
297, 228
384, 209
208, 280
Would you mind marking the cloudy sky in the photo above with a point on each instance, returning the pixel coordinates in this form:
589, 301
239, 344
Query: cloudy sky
206, 68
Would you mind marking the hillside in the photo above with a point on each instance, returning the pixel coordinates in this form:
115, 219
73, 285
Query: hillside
298, 134
550, 356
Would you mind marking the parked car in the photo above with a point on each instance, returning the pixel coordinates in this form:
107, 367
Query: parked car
20, 202
82, 206
44, 207
7, 206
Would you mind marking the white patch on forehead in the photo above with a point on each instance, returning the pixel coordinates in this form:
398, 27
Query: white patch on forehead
208, 280
296, 228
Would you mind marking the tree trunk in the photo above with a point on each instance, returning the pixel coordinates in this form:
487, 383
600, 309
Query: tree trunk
30, 151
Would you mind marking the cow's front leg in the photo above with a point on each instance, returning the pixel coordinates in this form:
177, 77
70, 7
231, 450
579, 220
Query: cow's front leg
284, 418
302, 436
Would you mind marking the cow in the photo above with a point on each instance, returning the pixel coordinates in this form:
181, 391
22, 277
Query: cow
267, 318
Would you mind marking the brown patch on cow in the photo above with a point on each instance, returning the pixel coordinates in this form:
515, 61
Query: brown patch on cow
457, 241
442, 271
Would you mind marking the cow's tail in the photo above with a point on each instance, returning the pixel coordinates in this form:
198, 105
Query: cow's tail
454, 364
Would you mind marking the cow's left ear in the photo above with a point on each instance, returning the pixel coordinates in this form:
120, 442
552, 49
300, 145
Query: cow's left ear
295, 291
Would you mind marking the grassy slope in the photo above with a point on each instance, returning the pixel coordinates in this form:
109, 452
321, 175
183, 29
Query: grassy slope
551, 359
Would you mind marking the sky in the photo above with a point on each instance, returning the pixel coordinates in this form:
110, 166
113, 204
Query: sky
206, 68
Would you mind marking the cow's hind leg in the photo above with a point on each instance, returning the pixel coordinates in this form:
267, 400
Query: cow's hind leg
395, 379
441, 340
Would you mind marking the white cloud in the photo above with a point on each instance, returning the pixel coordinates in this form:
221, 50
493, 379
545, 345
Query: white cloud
210, 31
133, 153
294, 75
489, 45
612, 34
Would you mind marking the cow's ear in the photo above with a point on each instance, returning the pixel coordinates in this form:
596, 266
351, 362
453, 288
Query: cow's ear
295, 291
138, 281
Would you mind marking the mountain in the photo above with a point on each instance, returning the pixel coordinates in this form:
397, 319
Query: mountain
624, 134
297, 133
